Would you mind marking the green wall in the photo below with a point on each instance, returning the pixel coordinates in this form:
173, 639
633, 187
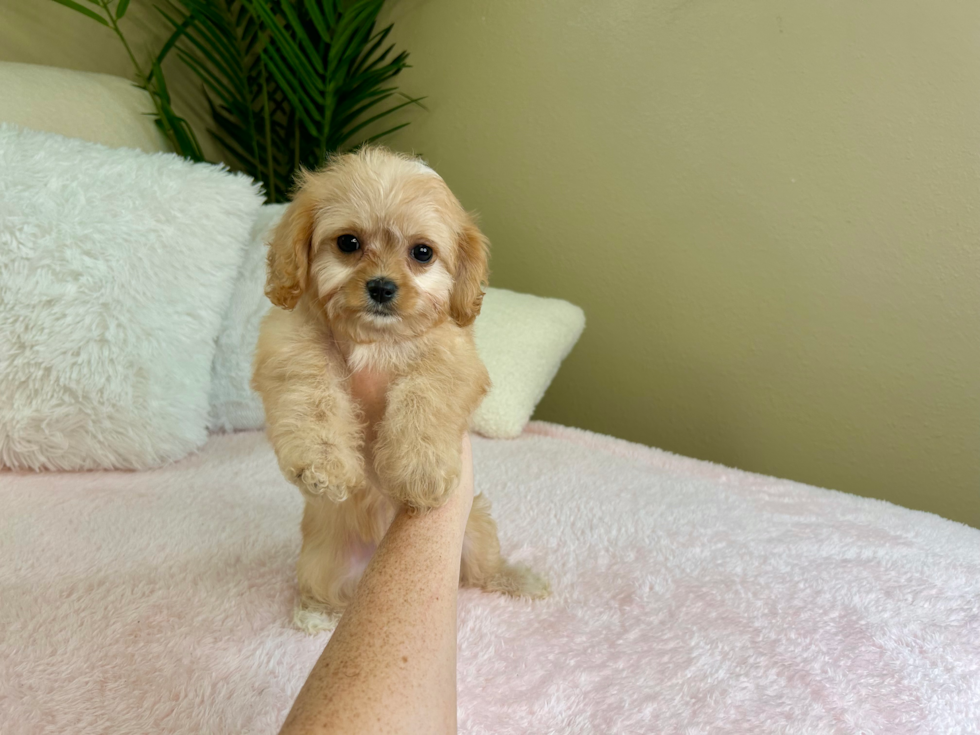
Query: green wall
767, 209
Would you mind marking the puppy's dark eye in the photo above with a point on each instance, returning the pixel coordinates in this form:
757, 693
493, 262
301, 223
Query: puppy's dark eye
348, 243
422, 253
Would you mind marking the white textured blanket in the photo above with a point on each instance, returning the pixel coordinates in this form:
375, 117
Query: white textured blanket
688, 598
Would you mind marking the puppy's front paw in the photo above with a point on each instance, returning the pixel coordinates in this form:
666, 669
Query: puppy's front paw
314, 483
419, 475
329, 476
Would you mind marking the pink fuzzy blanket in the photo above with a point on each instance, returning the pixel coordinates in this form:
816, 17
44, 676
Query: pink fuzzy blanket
688, 598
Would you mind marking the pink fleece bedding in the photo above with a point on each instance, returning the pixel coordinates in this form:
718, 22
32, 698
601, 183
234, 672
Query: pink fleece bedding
688, 598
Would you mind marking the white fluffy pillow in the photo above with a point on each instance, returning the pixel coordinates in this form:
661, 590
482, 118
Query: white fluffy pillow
116, 268
234, 405
522, 340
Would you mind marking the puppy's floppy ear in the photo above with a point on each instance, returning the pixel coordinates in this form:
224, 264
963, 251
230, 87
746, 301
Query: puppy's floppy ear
289, 251
466, 297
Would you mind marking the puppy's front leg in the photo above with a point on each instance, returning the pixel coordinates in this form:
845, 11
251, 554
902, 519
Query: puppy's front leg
313, 429
310, 419
417, 453
318, 449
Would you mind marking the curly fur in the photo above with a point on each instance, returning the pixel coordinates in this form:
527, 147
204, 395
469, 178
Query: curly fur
357, 460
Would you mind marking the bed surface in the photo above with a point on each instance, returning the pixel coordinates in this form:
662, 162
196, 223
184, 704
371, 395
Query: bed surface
687, 598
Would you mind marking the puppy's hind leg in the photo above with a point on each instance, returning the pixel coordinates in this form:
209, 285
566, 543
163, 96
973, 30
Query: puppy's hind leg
330, 565
482, 566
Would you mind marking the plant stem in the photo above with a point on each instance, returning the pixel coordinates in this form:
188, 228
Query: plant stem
296, 140
328, 105
115, 27
268, 135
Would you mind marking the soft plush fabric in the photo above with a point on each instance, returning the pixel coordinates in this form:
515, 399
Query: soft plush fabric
234, 405
687, 598
522, 339
99, 108
116, 267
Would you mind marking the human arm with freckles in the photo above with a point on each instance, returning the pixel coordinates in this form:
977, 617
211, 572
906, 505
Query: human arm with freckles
390, 666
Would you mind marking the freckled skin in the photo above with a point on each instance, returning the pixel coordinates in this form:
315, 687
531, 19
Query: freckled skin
390, 666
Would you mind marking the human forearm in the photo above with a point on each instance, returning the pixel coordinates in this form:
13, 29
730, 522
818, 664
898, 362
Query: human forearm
391, 664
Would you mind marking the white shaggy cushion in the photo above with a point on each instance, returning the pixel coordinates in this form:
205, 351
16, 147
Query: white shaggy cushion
234, 405
522, 340
116, 268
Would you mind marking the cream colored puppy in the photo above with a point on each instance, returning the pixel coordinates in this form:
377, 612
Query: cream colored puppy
378, 273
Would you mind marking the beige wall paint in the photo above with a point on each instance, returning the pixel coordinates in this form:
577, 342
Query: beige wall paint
768, 211
43, 32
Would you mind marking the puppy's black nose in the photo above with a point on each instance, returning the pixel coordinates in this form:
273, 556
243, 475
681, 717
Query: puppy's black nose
381, 290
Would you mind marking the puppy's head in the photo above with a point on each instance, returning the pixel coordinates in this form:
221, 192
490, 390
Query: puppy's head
378, 241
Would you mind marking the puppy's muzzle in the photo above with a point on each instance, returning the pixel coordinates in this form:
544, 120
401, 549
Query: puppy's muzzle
381, 290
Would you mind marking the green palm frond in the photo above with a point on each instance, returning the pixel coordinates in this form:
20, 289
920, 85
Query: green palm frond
326, 61
288, 82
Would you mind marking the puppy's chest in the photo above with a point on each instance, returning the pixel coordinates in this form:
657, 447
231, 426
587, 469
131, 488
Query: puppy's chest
369, 390
381, 357
373, 368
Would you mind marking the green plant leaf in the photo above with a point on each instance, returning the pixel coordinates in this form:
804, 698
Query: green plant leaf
174, 37
160, 87
378, 39
364, 123
347, 113
306, 110
234, 149
84, 11
210, 42
121, 9
214, 30
287, 81
389, 131
318, 19
198, 27
293, 21
207, 76
288, 46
